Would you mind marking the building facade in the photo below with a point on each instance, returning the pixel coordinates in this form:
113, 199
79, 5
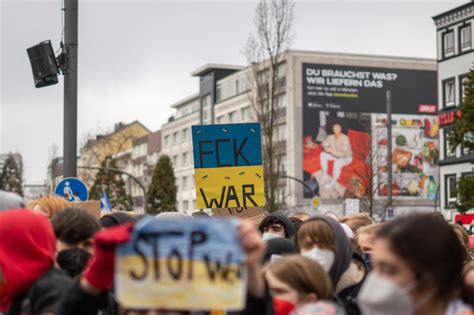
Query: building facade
315, 91
177, 144
455, 54
117, 144
145, 153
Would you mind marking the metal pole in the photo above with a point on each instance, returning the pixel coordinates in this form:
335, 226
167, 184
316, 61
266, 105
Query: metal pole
70, 88
298, 181
114, 170
389, 145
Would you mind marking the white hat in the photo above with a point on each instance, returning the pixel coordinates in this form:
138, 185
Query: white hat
347, 230
9, 200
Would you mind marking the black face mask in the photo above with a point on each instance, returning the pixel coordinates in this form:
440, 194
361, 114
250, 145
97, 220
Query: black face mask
73, 260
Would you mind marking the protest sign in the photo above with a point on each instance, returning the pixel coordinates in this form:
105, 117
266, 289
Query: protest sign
181, 265
228, 166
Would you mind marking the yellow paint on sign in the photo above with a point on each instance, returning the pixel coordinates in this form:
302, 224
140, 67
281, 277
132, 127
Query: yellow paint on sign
230, 187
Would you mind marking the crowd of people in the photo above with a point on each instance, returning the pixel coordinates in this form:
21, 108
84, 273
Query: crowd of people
59, 259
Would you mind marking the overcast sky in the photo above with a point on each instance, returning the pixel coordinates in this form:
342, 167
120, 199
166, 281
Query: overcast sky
135, 57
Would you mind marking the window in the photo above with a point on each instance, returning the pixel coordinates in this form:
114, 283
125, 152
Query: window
462, 88
468, 136
283, 165
447, 149
220, 119
281, 70
232, 117
245, 112
448, 44
175, 160
185, 158
185, 182
185, 205
448, 91
280, 133
281, 101
206, 109
175, 137
450, 190
225, 90
465, 38
185, 134
167, 140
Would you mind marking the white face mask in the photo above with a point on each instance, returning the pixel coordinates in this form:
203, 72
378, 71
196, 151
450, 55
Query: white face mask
268, 236
382, 296
324, 257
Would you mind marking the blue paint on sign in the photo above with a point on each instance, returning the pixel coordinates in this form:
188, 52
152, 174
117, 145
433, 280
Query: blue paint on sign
72, 189
227, 145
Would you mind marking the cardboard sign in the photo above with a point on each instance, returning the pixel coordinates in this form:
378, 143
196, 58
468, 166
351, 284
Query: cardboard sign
254, 214
181, 265
92, 206
352, 206
228, 166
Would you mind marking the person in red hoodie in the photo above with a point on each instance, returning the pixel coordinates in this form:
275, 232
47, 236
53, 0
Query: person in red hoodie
28, 282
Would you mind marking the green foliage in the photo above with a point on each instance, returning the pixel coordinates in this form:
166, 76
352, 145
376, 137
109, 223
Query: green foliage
463, 129
463, 134
113, 184
162, 190
464, 189
11, 177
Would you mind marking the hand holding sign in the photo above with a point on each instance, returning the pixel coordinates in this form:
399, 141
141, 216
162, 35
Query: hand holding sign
170, 265
100, 268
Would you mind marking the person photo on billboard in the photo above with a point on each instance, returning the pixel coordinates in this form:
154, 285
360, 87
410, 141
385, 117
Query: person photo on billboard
337, 148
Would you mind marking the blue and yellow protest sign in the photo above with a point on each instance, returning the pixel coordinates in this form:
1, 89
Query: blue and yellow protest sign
228, 166
181, 265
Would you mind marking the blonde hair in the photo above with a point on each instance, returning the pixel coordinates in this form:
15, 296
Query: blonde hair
303, 216
302, 274
51, 205
357, 220
371, 229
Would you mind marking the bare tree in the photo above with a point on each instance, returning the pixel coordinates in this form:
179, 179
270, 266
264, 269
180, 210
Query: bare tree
99, 146
366, 183
264, 52
53, 161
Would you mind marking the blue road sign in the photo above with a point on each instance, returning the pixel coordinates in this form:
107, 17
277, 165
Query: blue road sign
72, 189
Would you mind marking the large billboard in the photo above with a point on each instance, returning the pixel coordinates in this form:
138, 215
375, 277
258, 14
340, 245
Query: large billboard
344, 131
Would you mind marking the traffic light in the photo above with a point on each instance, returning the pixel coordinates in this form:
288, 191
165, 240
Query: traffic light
43, 64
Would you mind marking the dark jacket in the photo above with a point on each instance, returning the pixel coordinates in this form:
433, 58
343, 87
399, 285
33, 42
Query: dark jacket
44, 295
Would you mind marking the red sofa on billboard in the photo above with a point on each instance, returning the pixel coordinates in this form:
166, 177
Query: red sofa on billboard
360, 145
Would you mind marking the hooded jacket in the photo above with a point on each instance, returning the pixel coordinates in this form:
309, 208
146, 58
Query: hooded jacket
342, 263
289, 227
343, 255
27, 250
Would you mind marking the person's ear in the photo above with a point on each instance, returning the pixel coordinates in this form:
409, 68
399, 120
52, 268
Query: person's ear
312, 297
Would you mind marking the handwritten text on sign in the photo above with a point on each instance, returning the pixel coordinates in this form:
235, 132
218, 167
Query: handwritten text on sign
181, 265
228, 166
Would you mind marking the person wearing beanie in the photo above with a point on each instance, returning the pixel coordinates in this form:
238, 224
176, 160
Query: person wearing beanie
277, 248
9, 200
276, 225
116, 218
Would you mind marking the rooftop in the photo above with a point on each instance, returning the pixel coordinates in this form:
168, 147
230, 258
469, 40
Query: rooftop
202, 71
463, 6
185, 101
